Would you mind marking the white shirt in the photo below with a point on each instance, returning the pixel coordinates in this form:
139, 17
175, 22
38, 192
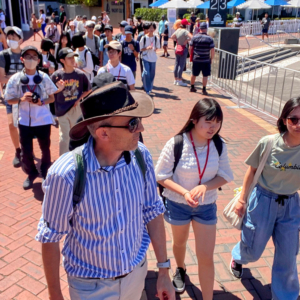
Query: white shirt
85, 62
186, 173
81, 27
30, 114
120, 72
106, 19
149, 55
2, 19
43, 16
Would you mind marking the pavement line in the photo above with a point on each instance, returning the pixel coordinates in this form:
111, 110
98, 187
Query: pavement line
1, 154
255, 119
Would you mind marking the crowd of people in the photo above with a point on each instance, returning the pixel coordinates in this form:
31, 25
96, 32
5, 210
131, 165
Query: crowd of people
83, 78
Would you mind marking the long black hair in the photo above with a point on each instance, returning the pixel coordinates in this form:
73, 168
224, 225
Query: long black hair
289, 106
206, 107
69, 43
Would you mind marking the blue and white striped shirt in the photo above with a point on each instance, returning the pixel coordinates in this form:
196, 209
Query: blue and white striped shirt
108, 236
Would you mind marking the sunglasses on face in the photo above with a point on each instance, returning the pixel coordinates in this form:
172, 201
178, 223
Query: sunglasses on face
132, 125
293, 120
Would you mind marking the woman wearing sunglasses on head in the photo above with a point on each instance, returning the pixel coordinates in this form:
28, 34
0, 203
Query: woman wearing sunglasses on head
274, 207
191, 188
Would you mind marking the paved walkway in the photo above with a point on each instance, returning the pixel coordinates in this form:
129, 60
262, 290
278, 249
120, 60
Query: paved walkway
21, 271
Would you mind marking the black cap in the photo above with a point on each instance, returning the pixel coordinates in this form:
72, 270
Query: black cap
139, 17
109, 27
27, 48
128, 29
103, 79
66, 52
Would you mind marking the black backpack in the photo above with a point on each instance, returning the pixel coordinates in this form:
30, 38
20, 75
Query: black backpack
178, 146
96, 61
80, 172
8, 61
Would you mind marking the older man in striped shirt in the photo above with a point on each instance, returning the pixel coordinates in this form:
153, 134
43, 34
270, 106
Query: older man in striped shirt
109, 230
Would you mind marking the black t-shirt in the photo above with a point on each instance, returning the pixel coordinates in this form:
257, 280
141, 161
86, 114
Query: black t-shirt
140, 27
166, 34
193, 19
76, 84
62, 16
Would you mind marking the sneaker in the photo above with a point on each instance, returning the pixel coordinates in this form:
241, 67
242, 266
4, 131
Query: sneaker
181, 83
204, 92
28, 183
175, 82
17, 159
168, 54
163, 55
236, 269
193, 90
179, 280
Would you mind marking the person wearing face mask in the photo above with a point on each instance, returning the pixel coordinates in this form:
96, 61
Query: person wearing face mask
10, 63
30, 92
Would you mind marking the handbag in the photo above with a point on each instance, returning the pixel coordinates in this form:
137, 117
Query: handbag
228, 212
180, 49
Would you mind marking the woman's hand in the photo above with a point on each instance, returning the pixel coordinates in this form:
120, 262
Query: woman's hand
190, 201
199, 191
240, 208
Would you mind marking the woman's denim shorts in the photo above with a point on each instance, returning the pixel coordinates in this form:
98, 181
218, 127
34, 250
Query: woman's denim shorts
182, 214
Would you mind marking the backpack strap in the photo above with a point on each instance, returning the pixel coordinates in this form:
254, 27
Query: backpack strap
178, 146
80, 175
218, 143
7, 61
141, 162
96, 46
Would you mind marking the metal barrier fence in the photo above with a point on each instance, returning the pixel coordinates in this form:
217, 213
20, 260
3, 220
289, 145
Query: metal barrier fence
260, 85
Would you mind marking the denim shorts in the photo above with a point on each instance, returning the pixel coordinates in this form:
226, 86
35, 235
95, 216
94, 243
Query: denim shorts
8, 108
182, 214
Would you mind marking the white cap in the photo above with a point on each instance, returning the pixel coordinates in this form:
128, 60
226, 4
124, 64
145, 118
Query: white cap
94, 18
16, 29
89, 23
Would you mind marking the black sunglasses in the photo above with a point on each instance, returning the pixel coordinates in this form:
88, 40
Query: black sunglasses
132, 125
293, 120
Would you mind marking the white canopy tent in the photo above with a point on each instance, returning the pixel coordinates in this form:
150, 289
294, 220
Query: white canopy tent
293, 3
195, 3
176, 4
254, 4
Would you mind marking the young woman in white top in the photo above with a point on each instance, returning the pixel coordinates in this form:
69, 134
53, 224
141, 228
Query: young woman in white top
274, 206
149, 44
191, 191
42, 20
84, 61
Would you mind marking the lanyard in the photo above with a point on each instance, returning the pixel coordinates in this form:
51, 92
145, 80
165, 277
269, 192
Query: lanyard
119, 72
198, 164
30, 88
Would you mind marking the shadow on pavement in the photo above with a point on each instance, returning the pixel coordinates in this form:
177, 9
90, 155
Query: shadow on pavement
166, 90
166, 96
37, 191
157, 111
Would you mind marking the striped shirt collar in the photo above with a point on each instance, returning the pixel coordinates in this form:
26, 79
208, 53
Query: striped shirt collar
93, 164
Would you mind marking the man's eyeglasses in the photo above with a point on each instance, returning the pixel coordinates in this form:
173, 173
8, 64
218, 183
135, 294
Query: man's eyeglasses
29, 57
132, 125
293, 120
112, 51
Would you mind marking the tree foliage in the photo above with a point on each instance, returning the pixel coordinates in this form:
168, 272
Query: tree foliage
150, 14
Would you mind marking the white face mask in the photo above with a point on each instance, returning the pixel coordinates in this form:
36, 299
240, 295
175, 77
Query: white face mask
30, 64
12, 44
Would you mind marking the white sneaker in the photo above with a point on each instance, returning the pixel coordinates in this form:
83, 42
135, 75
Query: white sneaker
181, 83
175, 82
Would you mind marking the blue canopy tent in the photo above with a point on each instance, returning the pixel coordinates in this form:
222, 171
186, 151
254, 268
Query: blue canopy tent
205, 5
158, 3
276, 3
234, 3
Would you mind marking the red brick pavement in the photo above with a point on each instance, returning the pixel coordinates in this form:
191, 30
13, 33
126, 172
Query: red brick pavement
21, 270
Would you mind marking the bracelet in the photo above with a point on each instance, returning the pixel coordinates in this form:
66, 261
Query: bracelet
185, 193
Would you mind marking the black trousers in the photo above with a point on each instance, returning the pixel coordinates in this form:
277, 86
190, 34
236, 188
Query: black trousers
42, 133
141, 66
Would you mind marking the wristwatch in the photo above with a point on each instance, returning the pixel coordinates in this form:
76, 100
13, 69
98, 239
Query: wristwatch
165, 265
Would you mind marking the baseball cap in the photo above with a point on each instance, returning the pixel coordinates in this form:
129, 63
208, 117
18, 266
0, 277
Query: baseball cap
94, 18
114, 45
66, 52
123, 23
185, 22
15, 29
97, 27
166, 23
27, 48
203, 25
90, 24
72, 23
128, 29
52, 22
237, 13
139, 17
109, 27
84, 17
